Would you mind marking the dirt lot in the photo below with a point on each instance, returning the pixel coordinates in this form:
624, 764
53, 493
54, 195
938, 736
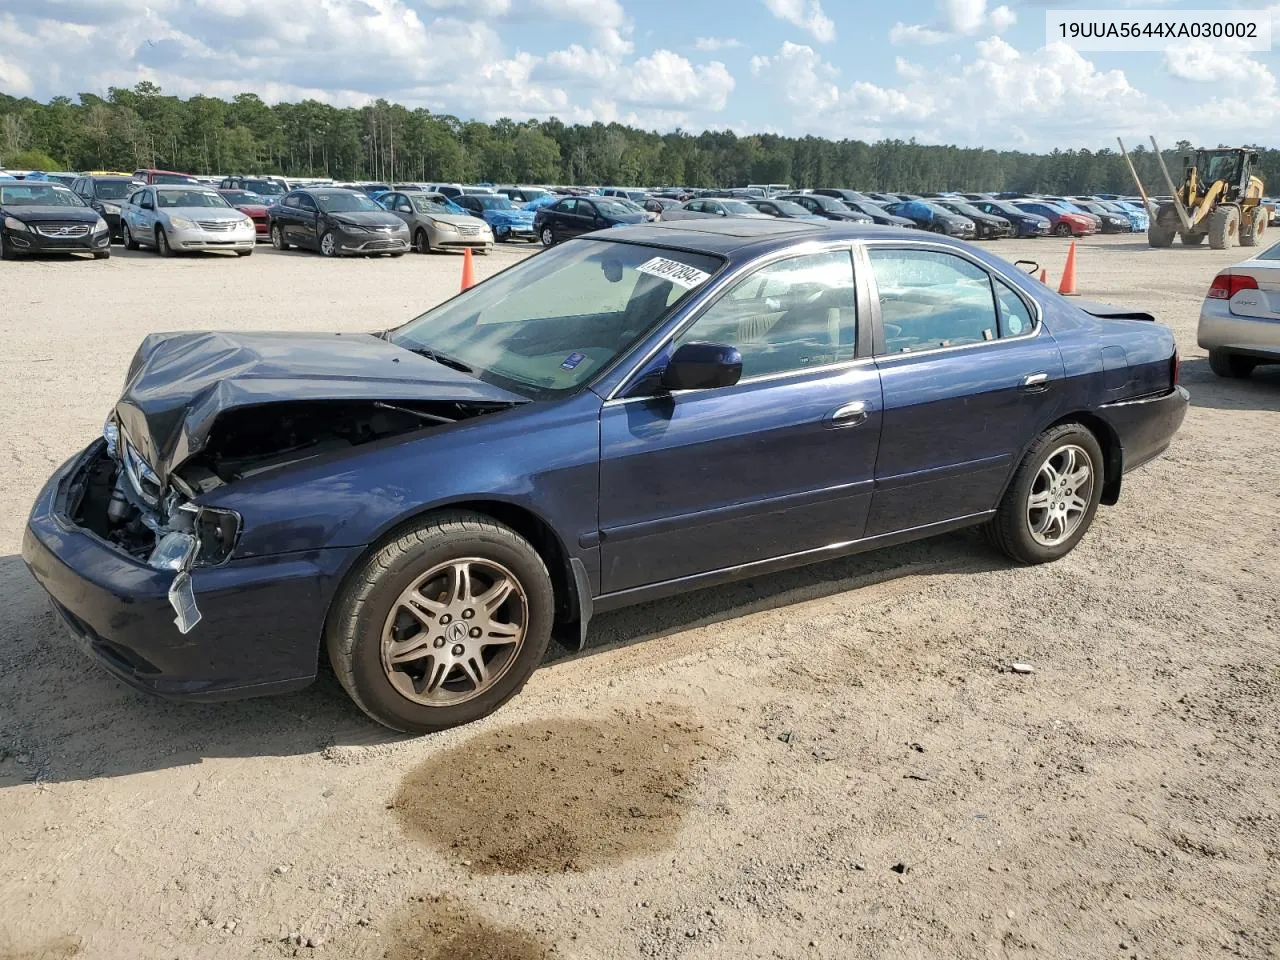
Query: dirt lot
832, 762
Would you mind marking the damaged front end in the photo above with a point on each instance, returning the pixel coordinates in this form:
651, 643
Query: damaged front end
121, 498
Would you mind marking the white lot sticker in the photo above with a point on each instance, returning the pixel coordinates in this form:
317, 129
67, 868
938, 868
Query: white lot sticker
686, 276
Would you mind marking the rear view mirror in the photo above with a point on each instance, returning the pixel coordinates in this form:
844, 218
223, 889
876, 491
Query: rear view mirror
702, 366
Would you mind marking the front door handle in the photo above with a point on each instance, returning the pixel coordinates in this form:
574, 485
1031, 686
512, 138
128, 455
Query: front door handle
1035, 383
848, 415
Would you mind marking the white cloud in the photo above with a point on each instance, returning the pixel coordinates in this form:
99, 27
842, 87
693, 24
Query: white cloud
712, 44
1200, 62
805, 14
606, 17
13, 79
1052, 97
668, 78
956, 18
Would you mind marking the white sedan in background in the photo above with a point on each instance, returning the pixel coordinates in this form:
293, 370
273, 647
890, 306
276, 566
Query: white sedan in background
175, 218
1240, 317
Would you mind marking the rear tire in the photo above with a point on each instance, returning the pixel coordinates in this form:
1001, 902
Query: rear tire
1252, 228
372, 623
1036, 507
1160, 235
1230, 365
1223, 226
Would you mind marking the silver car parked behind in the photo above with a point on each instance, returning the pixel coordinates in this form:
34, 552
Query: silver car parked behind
175, 218
433, 226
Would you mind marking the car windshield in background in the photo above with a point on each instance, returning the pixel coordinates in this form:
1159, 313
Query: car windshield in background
1007, 208
113, 189
615, 207
549, 324
243, 196
964, 209
39, 195
265, 188
495, 203
791, 209
427, 205
189, 198
936, 208
346, 203
739, 207
173, 178
1271, 253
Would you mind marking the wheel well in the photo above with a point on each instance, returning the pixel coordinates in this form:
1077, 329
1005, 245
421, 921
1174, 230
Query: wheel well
1112, 451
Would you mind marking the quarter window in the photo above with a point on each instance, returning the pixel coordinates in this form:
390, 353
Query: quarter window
792, 315
1015, 318
930, 299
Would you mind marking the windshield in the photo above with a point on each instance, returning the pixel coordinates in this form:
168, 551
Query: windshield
429, 205
790, 208
738, 208
265, 188
964, 209
113, 189
242, 196
39, 194
345, 202
615, 206
172, 178
189, 198
549, 324
495, 203
936, 208
1006, 208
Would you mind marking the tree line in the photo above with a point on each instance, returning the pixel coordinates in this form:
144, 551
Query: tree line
142, 127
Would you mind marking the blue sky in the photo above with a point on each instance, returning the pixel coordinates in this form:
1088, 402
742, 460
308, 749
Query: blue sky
971, 72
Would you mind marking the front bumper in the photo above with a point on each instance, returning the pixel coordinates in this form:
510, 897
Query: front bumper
32, 242
363, 243
1220, 329
262, 618
513, 231
197, 238
1033, 229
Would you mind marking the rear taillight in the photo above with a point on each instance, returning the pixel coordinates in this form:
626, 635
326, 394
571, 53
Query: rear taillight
1227, 285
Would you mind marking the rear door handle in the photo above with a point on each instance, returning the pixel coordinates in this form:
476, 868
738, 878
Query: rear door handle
849, 415
1035, 383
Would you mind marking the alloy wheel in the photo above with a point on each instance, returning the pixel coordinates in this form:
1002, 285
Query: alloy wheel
277, 237
1060, 495
454, 632
328, 246
548, 238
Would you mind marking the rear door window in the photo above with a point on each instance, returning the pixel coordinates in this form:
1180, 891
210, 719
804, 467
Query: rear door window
929, 299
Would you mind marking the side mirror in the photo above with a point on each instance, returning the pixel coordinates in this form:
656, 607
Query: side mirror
702, 366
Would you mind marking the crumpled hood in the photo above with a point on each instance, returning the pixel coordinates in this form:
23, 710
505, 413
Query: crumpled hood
179, 383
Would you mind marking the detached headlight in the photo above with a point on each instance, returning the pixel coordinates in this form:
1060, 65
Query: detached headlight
181, 223
111, 208
111, 434
209, 540
12, 223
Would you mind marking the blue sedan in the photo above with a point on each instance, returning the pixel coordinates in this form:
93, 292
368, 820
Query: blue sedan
633, 414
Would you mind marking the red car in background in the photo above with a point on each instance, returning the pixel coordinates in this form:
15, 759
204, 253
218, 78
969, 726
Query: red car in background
1062, 223
152, 176
251, 205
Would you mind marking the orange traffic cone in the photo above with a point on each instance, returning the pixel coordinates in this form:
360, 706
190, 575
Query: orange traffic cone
1044, 276
468, 269
1068, 285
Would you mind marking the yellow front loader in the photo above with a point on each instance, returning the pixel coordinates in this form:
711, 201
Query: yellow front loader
1220, 198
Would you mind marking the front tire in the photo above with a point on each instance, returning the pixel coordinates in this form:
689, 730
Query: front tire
1052, 499
277, 238
1062, 230
1230, 365
102, 254
127, 236
162, 243
1224, 224
442, 625
548, 238
329, 244
1192, 239
422, 241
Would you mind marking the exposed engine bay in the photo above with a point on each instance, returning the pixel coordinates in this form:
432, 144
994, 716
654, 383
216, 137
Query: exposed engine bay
121, 500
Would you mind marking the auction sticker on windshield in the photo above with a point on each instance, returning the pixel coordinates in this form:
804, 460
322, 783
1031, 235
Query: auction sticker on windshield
675, 271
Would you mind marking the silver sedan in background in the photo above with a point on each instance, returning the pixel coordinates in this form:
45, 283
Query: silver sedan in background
1240, 316
175, 218
713, 207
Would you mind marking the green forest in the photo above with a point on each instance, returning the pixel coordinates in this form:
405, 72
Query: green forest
143, 127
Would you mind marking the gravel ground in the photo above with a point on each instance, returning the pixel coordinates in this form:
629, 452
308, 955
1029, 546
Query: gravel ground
831, 762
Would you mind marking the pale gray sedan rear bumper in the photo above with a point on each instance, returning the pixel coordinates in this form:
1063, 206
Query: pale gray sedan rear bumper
1220, 329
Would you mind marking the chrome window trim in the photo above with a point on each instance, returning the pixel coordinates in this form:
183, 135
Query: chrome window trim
1037, 314
718, 289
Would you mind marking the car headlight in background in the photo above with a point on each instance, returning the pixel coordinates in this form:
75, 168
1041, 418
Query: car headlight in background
111, 208
181, 223
100, 226
12, 223
447, 227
